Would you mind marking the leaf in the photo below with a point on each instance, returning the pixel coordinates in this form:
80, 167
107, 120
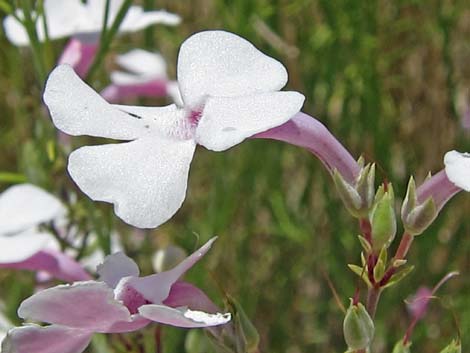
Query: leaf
361, 273
397, 277
16, 178
379, 270
365, 244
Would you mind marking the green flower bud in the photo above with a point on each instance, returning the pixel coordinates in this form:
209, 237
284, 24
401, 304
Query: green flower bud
358, 327
359, 196
247, 335
417, 217
382, 218
401, 347
453, 347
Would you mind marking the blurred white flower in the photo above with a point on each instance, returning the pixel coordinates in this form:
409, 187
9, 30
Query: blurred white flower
145, 76
74, 18
230, 92
83, 22
22, 244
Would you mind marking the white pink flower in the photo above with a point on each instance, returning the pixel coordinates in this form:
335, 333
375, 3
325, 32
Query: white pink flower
120, 301
230, 92
23, 245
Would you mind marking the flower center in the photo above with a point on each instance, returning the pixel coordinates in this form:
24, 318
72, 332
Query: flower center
129, 296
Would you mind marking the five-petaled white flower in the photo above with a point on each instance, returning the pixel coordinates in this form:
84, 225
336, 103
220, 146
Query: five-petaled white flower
230, 92
72, 17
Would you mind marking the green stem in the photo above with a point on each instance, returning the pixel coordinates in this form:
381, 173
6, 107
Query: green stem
108, 37
30, 27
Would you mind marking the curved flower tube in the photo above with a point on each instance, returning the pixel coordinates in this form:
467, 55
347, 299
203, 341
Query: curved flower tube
307, 132
230, 92
22, 245
120, 301
443, 185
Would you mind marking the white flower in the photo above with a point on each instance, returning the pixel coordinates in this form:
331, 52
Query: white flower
23, 245
141, 65
230, 92
457, 167
145, 75
22, 208
72, 17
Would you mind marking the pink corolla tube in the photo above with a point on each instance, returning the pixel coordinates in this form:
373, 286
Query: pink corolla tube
307, 132
23, 245
120, 301
79, 54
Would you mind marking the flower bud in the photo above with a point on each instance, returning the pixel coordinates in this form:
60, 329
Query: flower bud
453, 347
167, 258
417, 216
358, 327
248, 336
401, 347
358, 197
383, 219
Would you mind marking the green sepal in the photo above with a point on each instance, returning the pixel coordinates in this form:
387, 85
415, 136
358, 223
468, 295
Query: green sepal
383, 219
365, 244
358, 327
401, 347
453, 347
397, 277
361, 272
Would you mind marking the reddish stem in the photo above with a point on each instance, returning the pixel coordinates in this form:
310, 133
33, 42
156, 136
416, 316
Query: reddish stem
366, 229
405, 244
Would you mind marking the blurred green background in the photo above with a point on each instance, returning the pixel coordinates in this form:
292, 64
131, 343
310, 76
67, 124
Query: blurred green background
390, 79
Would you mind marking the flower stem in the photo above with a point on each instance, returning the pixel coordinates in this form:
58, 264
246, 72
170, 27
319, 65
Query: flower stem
108, 36
30, 27
373, 296
405, 244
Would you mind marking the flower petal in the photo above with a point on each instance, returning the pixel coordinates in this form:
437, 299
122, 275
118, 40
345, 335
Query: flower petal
24, 206
155, 288
19, 247
458, 169
50, 339
227, 121
218, 63
182, 317
63, 18
146, 179
185, 294
77, 109
115, 267
85, 305
143, 63
136, 19
137, 322
14, 30
53, 262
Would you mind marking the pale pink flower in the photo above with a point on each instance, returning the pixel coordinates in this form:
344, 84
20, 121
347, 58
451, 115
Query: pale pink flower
23, 245
120, 301
230, 92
